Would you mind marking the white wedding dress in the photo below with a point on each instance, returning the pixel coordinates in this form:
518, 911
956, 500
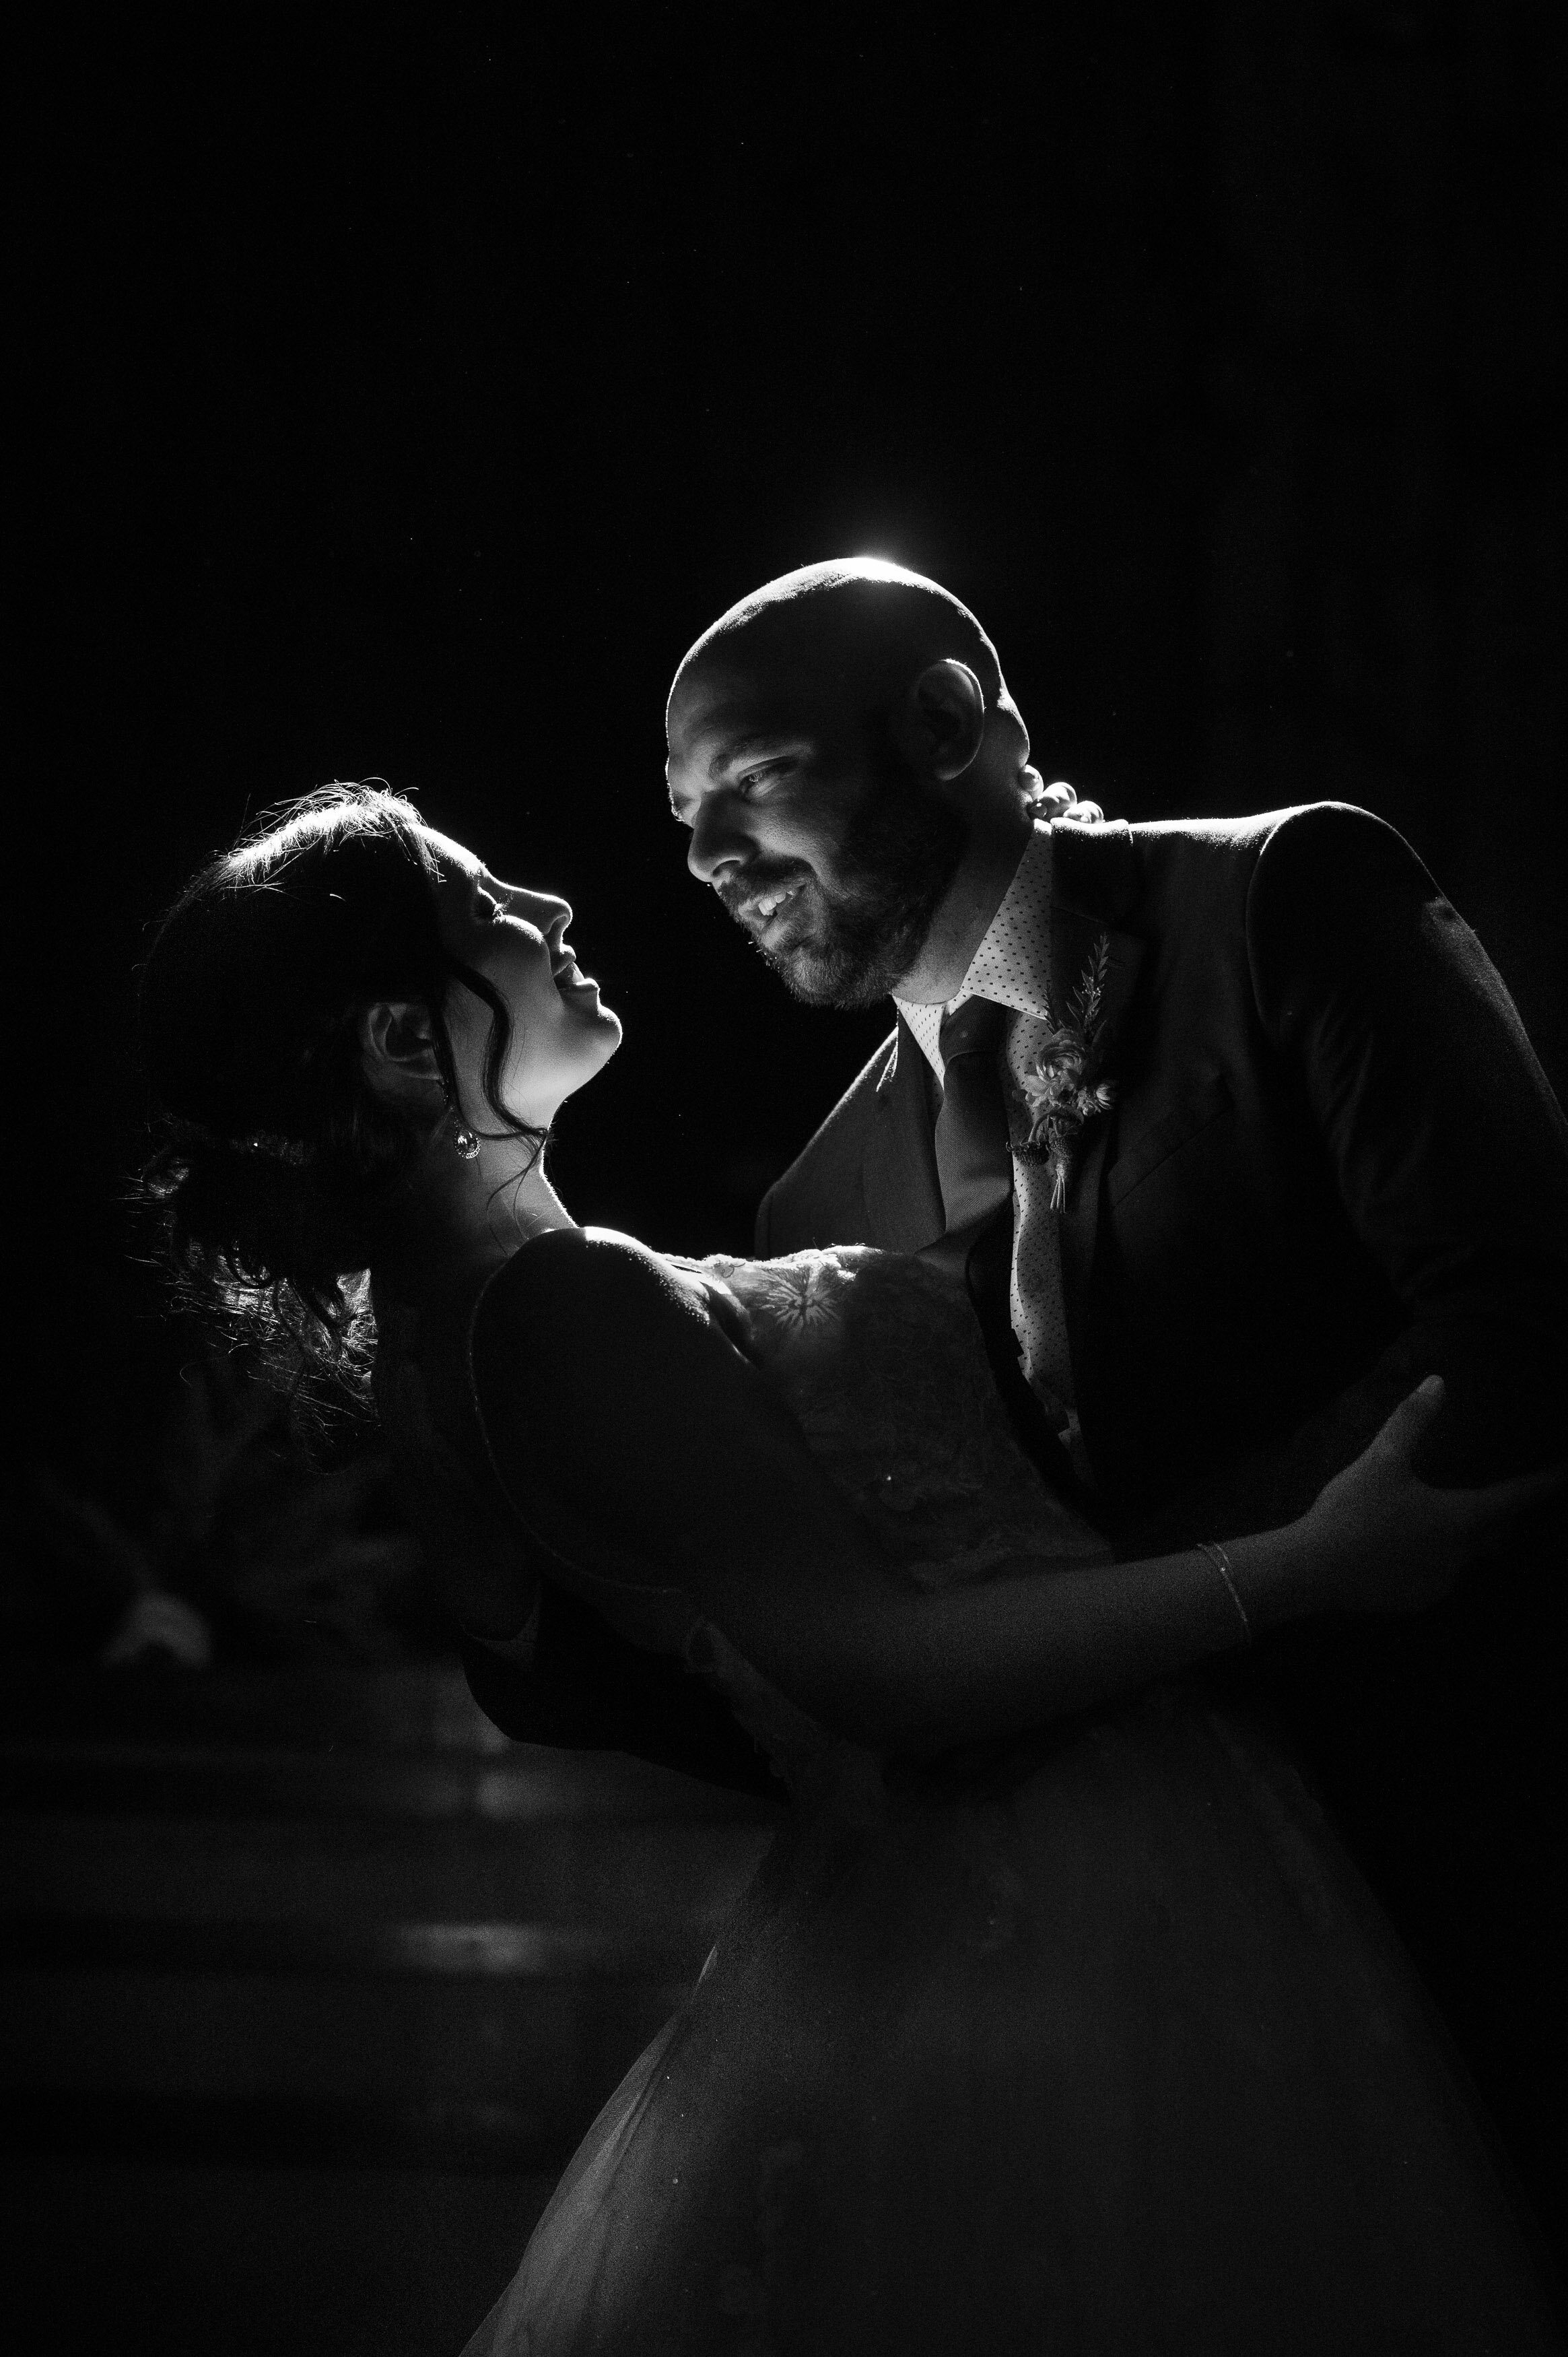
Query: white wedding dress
1092, 2044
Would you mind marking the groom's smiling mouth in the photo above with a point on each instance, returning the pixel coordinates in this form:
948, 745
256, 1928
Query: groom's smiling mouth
759, 909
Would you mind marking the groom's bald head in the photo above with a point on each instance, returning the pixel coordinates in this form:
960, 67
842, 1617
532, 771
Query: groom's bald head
854, 629
844, 751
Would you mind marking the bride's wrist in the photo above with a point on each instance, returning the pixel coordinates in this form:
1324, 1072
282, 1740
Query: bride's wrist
1277, 1575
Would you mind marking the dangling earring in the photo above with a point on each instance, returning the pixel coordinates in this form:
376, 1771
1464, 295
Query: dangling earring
463, 1137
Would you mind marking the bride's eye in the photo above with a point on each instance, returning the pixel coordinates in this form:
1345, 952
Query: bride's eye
491, 910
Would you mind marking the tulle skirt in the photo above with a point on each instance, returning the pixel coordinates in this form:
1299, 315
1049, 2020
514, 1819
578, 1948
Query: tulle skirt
1097, 2048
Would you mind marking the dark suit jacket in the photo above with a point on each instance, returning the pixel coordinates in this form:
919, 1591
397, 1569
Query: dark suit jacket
1333, 1165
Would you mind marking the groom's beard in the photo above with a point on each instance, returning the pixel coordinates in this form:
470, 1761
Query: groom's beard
847, 945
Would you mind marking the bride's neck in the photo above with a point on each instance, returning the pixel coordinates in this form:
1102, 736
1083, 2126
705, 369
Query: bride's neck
453, 1219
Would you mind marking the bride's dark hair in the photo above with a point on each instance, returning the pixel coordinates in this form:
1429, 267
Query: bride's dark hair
271, 1149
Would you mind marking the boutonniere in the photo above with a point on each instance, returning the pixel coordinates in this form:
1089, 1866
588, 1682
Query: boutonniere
1057, 1103
807, 1295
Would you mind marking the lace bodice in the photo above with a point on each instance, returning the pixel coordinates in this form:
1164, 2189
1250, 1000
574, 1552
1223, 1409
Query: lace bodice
881, 1360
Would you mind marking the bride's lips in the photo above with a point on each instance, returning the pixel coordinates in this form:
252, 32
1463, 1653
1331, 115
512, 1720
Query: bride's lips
565, 973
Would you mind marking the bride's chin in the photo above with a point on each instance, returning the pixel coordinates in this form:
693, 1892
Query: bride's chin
606, 1039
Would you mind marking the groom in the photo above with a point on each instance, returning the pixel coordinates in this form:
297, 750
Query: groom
1232, 1126
1270, 1136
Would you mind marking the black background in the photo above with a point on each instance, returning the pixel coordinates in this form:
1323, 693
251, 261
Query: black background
404, 402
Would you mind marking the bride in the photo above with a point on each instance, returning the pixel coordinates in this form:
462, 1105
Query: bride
1054, 2019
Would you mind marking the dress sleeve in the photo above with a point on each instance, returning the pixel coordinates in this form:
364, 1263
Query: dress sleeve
647, 1456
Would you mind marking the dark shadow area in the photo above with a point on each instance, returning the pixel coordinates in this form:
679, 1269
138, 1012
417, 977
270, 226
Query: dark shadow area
314, 1981
403, 404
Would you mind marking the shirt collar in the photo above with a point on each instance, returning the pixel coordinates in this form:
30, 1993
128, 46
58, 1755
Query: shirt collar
1013, 964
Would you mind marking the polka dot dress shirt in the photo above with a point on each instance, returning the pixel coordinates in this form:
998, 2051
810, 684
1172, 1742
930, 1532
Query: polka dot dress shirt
1013, 966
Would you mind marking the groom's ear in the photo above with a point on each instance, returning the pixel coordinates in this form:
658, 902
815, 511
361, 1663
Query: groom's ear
938, 724
397, 1050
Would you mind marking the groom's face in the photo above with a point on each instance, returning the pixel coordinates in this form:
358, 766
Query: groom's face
824, 845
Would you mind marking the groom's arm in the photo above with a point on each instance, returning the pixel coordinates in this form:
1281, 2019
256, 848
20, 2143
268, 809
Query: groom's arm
1446, 1149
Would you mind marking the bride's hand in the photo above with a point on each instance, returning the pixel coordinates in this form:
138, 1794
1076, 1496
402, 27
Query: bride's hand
1383, 1540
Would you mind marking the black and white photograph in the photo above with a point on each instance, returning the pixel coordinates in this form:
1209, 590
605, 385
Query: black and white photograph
790, 1280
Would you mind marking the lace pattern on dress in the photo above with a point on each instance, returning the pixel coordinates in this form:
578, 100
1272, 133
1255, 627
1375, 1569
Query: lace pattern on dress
882, 1361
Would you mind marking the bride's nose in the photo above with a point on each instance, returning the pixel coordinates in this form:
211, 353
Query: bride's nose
551, 914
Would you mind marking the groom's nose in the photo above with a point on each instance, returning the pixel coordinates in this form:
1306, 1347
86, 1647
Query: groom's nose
721, 841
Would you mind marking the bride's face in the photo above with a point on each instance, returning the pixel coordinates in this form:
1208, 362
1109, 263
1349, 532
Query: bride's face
562, 1033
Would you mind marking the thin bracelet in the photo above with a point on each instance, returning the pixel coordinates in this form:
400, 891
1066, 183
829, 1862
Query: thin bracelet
1222, 1562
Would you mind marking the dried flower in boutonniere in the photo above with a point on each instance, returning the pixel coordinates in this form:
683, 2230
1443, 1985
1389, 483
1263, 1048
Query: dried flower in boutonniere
1056, 1101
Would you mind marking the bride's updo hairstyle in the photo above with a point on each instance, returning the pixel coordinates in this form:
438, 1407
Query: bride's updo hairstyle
272, 1148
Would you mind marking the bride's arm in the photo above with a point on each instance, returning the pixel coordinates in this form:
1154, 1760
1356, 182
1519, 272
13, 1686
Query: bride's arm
619, 1419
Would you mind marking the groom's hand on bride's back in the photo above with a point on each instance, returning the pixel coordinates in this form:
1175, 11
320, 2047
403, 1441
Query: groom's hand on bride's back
1384, 1540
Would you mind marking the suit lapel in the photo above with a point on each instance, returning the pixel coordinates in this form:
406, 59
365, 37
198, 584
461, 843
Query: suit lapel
1094, 887
1095, 883
903, 1193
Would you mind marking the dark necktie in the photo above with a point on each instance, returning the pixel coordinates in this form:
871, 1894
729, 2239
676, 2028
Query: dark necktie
974, 1164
